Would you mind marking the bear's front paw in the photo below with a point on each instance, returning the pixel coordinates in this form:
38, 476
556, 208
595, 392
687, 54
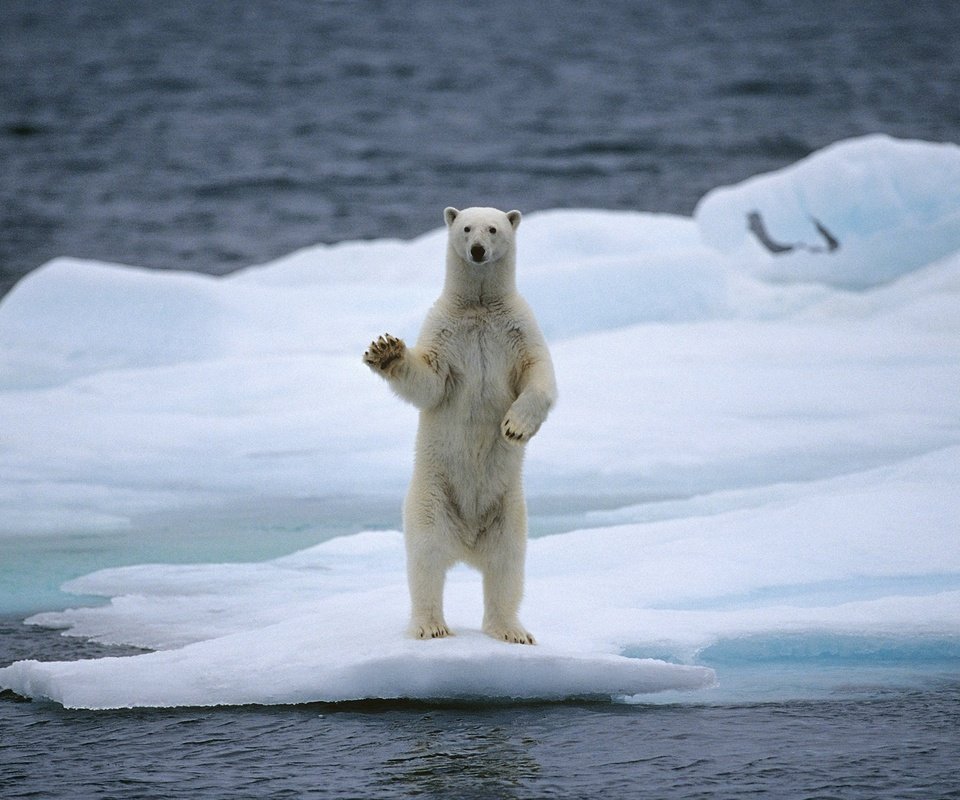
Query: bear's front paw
383, 353
518, 427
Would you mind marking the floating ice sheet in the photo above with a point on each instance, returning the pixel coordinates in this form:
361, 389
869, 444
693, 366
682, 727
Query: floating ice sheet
758, 450
374, 663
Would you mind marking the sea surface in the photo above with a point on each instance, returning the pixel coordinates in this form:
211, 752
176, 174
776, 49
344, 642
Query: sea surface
211, 136
890, 744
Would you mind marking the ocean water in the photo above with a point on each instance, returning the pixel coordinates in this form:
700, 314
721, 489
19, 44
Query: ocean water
897, 745
873, 740
208, 137
193, 136
891, 736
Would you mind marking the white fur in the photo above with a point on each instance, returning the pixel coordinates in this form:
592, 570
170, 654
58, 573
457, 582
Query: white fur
482, 378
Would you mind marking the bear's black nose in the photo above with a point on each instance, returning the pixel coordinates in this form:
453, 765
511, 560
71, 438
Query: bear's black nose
477, 252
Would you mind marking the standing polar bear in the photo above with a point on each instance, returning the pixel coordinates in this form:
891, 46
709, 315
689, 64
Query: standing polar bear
482, 378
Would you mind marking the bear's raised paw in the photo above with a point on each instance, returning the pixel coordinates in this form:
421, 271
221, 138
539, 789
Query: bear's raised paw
384, 352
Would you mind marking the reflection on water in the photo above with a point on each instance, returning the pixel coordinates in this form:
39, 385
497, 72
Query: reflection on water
450, 755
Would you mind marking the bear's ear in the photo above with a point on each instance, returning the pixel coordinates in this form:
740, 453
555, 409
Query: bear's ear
514, 217
450, 214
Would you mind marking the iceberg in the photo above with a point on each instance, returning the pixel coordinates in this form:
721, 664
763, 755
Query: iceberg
856, 214
755, 457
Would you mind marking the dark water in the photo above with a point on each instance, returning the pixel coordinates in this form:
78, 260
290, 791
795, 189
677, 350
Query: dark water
887, 748
865, 741
208, 136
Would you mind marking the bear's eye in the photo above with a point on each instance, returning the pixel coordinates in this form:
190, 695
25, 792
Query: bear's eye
493, 230
466, 229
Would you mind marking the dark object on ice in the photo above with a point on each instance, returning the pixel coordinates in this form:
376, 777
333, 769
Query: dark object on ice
831, 240
755, 224
757, 228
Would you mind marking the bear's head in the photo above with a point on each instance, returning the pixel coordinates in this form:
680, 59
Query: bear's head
481, 236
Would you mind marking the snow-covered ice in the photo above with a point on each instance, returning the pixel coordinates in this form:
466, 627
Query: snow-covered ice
322, 625
763, 449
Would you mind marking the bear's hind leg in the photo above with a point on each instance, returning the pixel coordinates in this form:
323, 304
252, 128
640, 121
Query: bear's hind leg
426, 574
502, 592
503, 569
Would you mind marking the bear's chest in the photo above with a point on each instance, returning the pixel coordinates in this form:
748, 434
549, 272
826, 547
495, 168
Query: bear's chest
483, 353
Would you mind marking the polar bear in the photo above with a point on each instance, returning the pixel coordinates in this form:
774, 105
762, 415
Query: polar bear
481, 376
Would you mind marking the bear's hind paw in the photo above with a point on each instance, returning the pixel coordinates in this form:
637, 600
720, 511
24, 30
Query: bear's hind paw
514, 634
430, 630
